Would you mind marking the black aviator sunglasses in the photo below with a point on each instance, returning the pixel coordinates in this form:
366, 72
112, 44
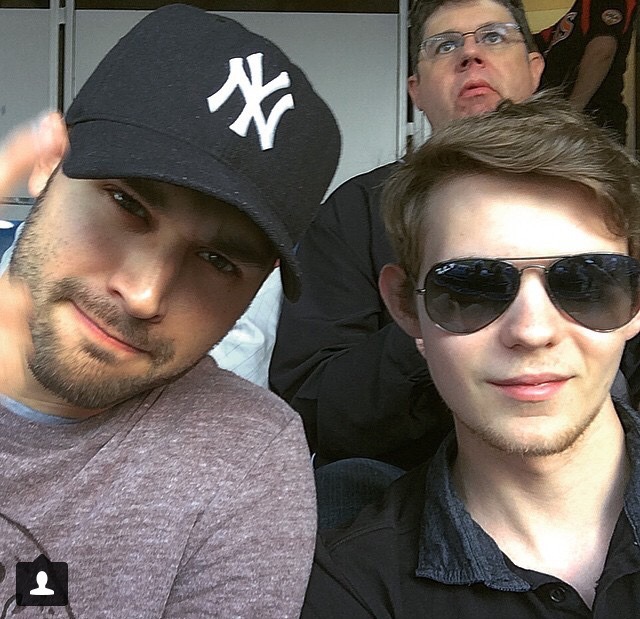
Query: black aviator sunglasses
599, 291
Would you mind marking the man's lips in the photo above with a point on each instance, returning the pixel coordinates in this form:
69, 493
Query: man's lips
104, 336
531, 387
475, 88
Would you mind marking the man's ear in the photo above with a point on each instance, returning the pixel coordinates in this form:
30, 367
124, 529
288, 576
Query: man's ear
536, 67
52, 141
413, 88
393, 288
632, 328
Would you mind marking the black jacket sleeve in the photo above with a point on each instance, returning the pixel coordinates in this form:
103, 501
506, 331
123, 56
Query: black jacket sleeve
630, 367
367, 570
357, 379
331, 596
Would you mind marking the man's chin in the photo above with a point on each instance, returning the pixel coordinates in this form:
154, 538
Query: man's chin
89, 382
475, 106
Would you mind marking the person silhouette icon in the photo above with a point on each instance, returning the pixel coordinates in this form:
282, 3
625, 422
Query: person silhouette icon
42, 589
51, 577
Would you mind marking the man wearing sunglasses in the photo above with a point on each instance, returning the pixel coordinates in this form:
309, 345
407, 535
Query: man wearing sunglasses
356, 378
518, 238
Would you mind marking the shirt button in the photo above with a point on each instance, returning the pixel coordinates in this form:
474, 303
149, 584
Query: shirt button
558, 594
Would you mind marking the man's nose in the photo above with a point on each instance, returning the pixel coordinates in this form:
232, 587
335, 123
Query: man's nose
143, 282
532, 320
470, 52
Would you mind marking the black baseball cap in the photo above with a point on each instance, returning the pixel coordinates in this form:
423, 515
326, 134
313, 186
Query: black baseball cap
197, 100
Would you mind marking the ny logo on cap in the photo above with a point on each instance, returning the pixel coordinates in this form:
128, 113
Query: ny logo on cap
254, 92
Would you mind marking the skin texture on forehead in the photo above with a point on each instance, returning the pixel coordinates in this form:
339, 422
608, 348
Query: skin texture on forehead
473, 79
481, 197
420, 15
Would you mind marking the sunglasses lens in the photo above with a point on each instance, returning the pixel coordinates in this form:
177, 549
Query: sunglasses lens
463, 296
600, 291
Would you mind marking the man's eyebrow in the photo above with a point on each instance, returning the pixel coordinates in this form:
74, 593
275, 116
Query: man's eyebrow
437, 34
233, 245
244, 250
151, 192
451, 30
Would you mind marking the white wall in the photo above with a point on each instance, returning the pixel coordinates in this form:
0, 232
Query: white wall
25, 83
354, 61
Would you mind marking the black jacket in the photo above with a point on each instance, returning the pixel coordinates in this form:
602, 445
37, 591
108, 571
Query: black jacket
357, 379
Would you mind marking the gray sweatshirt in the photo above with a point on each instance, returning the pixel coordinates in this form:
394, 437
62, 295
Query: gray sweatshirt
193, 500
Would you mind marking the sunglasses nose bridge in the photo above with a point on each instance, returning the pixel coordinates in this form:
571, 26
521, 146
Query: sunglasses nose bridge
533, 317
543, 272
539, 267
533, 266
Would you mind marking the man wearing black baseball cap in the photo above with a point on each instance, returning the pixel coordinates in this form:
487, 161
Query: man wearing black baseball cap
197, 156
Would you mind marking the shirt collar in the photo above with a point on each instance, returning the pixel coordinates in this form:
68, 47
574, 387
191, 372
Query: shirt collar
455, 550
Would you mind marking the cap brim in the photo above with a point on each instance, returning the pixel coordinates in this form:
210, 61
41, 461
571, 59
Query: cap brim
110, 149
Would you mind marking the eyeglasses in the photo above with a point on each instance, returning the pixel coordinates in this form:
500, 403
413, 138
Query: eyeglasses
598, 291
491, 35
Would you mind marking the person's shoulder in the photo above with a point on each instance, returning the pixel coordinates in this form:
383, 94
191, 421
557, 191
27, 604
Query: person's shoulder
359, 571
374, 177
216, 427
367, 181
381, 525
609, 14
214, 399
353, 203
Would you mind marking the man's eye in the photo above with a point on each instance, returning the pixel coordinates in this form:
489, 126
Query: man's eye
128, 203
445, 46
219, 262
492, 37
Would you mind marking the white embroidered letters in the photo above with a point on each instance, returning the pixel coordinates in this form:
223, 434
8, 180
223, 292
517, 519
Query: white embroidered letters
254, 93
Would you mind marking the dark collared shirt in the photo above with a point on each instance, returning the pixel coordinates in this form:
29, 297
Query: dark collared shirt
419, 554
